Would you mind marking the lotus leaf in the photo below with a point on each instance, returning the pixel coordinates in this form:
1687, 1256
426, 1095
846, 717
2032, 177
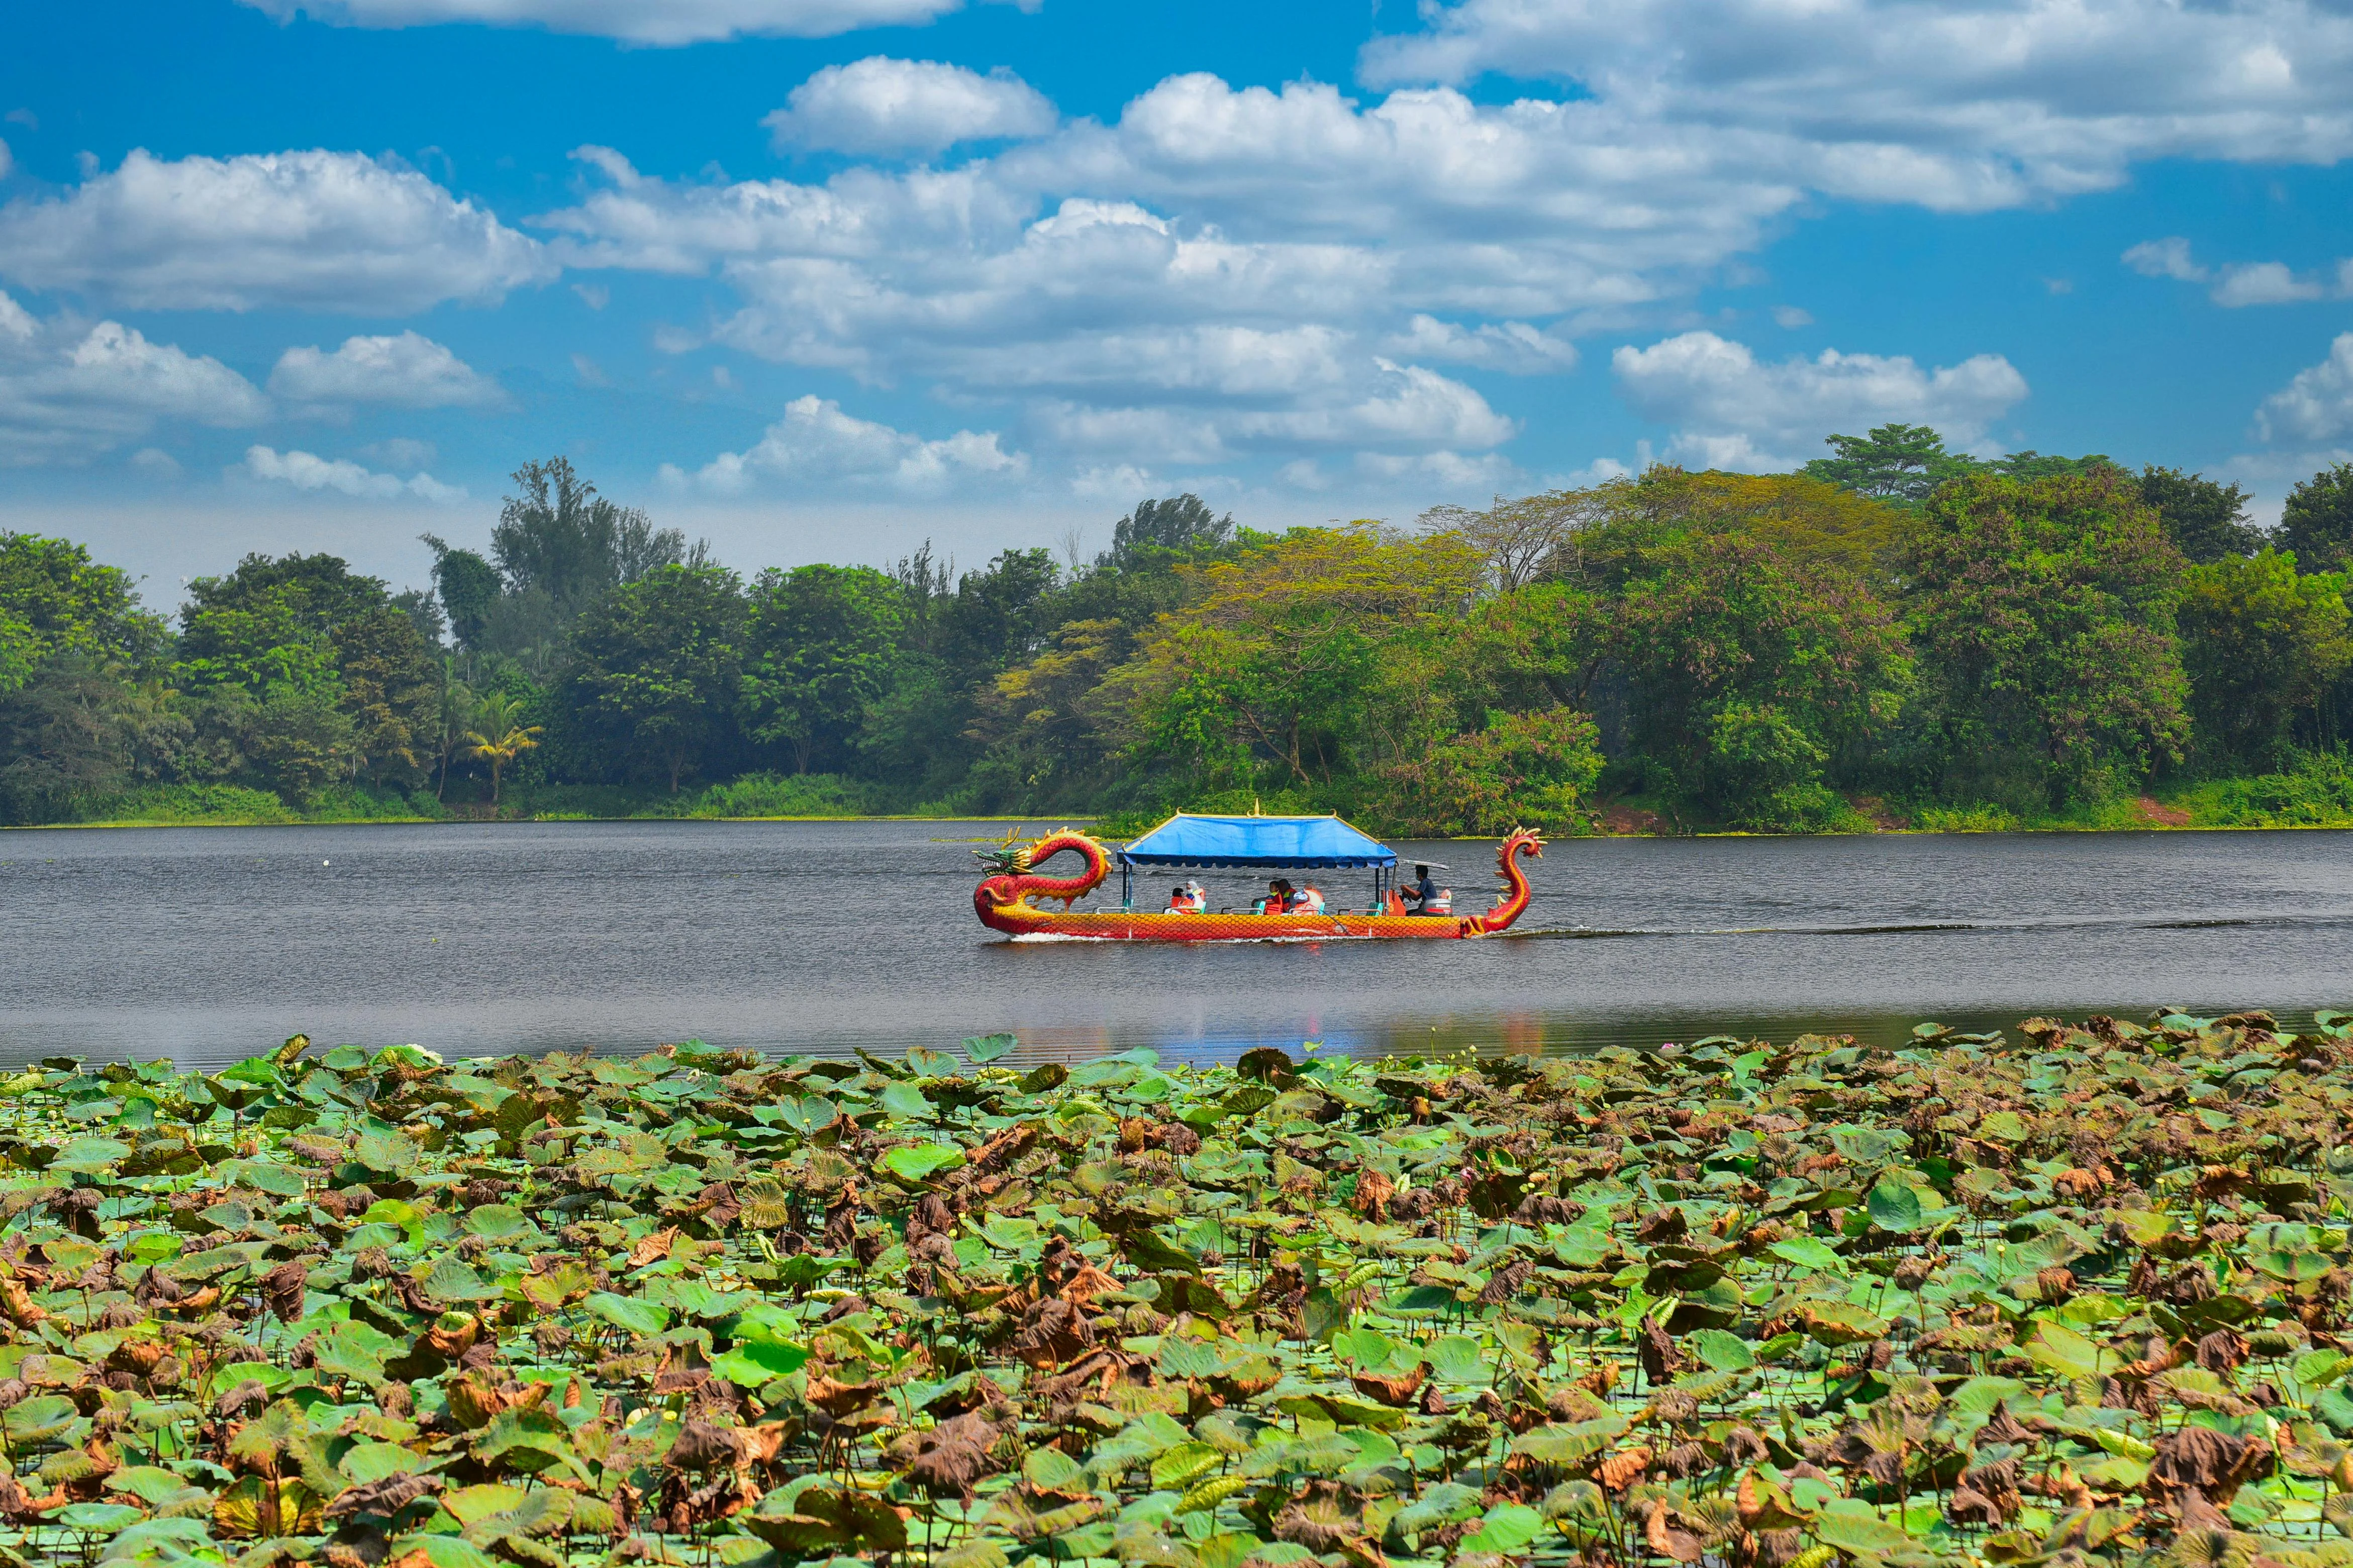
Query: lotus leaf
1795, 1304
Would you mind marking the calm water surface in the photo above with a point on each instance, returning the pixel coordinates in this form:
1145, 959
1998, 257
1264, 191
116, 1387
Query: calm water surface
206, 945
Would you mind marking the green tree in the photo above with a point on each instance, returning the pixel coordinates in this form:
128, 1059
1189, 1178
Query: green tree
655, 670
62, 738
1748, 670
391, 689
468, 586
1181, 527
503, 738
453, 719
2205, 519
1521, 770
2316, 523
561, 539
2043, 619
821, 648
1302, 661
1898, 463
2262, 646
55, 600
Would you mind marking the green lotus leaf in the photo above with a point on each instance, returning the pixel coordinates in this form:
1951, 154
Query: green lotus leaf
919, 1162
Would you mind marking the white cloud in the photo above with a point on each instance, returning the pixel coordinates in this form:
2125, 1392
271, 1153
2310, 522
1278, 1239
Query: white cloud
2238, 283
407, 371
1733, 411
2317, 407
1789, 318
7, 161
318, 230
817, 443
880, 105
1513, 346
658, 22
2168, 258
1121, 484
310, 472
1952, 104
69, 393
156, 463
2265, 283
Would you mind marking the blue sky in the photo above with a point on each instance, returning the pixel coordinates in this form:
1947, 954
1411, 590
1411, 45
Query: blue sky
821, 278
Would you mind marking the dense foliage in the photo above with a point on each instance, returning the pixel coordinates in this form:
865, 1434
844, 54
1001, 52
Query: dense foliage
1899, 633
2078, 1299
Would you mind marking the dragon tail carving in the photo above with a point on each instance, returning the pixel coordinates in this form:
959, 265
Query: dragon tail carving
1522, 841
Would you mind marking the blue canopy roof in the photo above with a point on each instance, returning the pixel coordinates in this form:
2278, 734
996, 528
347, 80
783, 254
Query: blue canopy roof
1186, 840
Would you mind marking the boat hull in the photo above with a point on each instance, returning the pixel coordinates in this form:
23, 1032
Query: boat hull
1024, 919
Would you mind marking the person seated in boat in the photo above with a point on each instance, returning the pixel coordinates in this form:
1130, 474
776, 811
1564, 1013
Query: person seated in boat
1277, 900
1188, 899
1425, 897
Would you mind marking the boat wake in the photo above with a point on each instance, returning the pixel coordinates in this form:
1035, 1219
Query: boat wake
2061, 922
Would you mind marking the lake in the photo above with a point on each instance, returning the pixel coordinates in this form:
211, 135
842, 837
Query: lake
207, 944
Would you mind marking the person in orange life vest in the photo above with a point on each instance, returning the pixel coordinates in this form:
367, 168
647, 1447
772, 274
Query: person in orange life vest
1178, 903
1188, 900
1277, 900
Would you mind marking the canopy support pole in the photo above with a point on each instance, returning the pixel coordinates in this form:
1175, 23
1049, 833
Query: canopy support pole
1126, 884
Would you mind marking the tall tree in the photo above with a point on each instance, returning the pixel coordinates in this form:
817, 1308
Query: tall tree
657, 665
2042, 614
469, 587
1523, 537
2261, 644
503, 738
2318, 521
391, 691
1899, 463
54, 599
562, 539
2207, 520
821, 649
1180, 526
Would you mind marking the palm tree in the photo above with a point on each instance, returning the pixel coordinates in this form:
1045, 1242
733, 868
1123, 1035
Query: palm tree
497, 715
455, 711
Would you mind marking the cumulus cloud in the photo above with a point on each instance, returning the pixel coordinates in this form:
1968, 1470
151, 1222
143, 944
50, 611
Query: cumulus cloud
1510, 347
658, 22
880, 105
407, 372
1952, 104
318, 230
70, 391
817, 443
2317, 407
1733, 411
310, 472
2239, 283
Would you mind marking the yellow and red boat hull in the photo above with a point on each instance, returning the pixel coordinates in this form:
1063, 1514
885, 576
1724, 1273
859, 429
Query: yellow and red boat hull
1025, 919
1005, 902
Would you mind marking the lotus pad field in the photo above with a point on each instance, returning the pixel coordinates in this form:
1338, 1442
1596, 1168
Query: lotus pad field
2074, 1293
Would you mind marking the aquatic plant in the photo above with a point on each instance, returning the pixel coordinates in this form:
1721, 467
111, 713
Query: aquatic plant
2078, 1294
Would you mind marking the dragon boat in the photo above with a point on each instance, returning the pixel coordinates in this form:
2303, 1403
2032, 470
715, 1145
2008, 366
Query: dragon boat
1005, 900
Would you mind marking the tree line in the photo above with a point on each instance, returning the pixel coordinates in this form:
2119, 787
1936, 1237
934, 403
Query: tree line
1895, 629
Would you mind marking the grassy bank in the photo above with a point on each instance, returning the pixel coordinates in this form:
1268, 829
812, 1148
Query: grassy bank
2074, 1294
2317, 794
